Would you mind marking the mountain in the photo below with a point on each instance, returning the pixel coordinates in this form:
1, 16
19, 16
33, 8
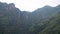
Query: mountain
43, 20
13, 20
47, 26
43, 13
9, 18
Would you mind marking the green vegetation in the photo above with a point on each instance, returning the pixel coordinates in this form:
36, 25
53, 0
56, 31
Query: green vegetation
51, 26
44, 20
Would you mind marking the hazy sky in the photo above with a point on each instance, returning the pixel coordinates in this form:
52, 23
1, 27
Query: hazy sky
30, 5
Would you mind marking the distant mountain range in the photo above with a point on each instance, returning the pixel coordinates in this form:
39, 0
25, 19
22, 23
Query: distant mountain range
45, 20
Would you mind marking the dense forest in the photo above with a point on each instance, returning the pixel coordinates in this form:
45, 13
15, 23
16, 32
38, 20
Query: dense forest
45, 20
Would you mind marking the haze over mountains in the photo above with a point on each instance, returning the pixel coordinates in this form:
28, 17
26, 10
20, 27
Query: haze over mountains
44, 20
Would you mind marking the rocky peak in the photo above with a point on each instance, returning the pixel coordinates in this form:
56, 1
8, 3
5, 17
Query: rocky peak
11, 5
6, 7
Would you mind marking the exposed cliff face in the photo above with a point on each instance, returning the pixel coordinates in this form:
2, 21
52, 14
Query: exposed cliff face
14, 21
9, 18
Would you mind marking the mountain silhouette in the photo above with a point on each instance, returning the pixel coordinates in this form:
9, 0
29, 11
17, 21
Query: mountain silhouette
45, 20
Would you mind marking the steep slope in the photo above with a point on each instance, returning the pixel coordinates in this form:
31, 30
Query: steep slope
42, 13
42, 21
12, 20
47, 26
53, 27
9, 18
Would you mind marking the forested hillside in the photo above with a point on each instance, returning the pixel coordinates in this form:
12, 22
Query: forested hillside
47, 26
45, 20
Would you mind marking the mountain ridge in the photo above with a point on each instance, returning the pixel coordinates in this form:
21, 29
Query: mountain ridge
15, 21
